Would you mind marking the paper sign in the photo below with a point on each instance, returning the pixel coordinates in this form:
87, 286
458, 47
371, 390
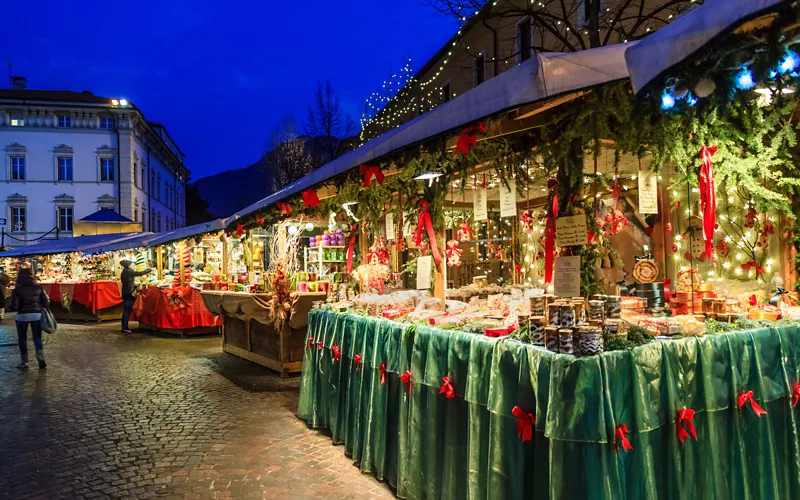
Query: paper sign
407, 227
571, 231
567, 276
648, 193
424, 265
479, 204
390, 234
508, 199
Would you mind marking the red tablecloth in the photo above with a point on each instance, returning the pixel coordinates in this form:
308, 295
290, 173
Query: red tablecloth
93, 295
172, 308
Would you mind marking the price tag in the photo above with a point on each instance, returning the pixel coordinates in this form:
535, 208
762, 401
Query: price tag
571, 231
648, 193
424, 266
508, 199
567, 276
390, 234
479, 204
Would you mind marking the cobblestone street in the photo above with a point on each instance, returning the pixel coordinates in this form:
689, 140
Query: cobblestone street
145, 416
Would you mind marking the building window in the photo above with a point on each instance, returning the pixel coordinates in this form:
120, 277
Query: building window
135, 210
17, 168
107, 123
144, 178
479, 64
524, 39
446, 94
16, 120
107, 169
18, 219
159, 222
158, 188
65, 168
64, 121
153, 183
65, 219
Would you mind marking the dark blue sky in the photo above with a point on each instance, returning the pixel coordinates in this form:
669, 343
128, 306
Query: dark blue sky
219, 74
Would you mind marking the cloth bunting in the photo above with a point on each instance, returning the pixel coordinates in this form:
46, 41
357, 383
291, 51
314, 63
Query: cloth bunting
748, 396
453, 254
708, 197
239, 230
310, 198
796, 394
469, 138
351, 246
337, 353
382, 369
368, 172
406, 379
550, 233
426, 223
447, 388
683, 422
357, 361
310, 342
285, 208
622, 435
525, 423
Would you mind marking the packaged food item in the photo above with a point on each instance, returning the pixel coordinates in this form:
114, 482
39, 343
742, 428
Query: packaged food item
567, 315
552, 338
537, 329
590, 340
565, 341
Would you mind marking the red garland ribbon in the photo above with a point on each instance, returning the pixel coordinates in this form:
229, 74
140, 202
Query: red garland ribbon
747, 266
621, 434
748, 396
285, 208
357, 361
310, 343
319, 345
310, 198
406, 379
550, 234
337, 353
382, 369
708, 197
425, 222
469, 138
683, 422
239, 230
525, 423
447, 388
351, 247
796, 394
370, 171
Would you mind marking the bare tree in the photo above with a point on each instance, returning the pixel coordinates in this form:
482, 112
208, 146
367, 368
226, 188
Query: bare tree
288, 160
326, 122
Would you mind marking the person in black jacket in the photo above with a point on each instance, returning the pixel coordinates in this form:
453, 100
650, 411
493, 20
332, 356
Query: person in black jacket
29, 300
128, 286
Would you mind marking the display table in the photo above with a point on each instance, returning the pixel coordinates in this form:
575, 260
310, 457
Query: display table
247, 331
429, 446
85, 301
176, 310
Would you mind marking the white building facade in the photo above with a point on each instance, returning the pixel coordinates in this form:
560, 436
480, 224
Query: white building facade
68, 154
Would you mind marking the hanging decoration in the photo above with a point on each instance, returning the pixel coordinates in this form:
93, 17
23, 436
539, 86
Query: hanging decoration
285, 208
369, 172
550, 233
425, 223
754, 266
357, 361
469, 138
685, 421
796, 394
310, 344
527, 220
406, 379
337, 353
239, 230
708, 197
379, 252
748, 396
525, 423
453, 254
621, 434
464, 232
351, 244
447, 388
382, 369
310, 198
260, 220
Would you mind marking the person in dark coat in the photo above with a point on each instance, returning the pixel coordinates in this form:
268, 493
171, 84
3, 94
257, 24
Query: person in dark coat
29, 300
128, 286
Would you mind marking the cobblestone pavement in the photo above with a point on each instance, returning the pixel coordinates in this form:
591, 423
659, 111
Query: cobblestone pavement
143, 416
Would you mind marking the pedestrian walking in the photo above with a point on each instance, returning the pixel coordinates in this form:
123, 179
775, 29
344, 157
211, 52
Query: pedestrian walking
29, 300
128, 287
5, 280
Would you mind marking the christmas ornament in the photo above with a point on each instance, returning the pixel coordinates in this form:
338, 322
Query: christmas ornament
310, 198
379, 252
447, 388
750, 218
401, 243
285, 208
369, 172
453, 254
525, 423
748, 396
527, 221
763, 237
469, 138
464, 232
722, 249
683, 422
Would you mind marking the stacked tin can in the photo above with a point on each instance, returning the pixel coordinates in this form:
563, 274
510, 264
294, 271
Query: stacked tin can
612, 324
571, 329
538, 324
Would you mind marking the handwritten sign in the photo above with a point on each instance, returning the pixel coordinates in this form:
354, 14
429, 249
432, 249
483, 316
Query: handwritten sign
567, 276
571, 231
390, 234
648, 193
508, 199
424, 265
480, 208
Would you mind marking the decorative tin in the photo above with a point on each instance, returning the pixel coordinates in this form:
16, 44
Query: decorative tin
565, 341
553, 314
612, 327
537, 329
590, 341
580, 310
597, 309
538, 305
552, 338
567, 315
613, 306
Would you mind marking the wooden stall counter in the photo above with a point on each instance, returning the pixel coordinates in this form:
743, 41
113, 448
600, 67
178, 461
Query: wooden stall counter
85, 301
176, 310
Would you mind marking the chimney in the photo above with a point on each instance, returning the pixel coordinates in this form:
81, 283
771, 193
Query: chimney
19, 82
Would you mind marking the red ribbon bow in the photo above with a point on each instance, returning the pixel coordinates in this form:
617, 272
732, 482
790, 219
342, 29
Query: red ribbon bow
337, 353
748, 396
239, 230
747, 266
550, 234
447, 388
684, 421
425, 222
621, 434
310, 342
406, 379
310, 198
259, 220
357, 361
708, 197
285, 208
319, 345
753, 300
796, 394
525, 423
351, 244
370, 171
382, 369
469, 138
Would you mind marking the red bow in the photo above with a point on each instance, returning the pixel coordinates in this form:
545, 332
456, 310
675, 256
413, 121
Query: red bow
525, 423
259, 220
708, 197
310, 342
319, 345
685, 417
469, 138
239, 230
621, 434
448, 389
285, 208
337, 354
370, 171
748, 396
753, 300
382, 369
310, 198
351, 244
747, 266
796, 394
406, 379
357, 361
425, 222
550, 234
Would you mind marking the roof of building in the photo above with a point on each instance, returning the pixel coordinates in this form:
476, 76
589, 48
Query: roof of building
106, 216
84, 97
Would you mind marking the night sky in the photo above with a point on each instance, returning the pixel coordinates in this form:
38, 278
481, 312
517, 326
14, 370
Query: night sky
219, 75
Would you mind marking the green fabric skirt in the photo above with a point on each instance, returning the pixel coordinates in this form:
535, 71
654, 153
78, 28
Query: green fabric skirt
429, 446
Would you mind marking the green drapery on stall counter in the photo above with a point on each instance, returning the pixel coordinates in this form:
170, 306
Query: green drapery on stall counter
428, 446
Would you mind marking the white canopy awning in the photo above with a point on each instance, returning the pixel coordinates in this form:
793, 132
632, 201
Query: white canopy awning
186, 232
539, 78
678, 40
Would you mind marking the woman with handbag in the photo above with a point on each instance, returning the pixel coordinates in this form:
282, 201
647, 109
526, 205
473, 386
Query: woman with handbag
29, 301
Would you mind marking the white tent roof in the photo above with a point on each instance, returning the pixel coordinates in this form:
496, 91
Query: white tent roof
186, 232
683, 37
539, 78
